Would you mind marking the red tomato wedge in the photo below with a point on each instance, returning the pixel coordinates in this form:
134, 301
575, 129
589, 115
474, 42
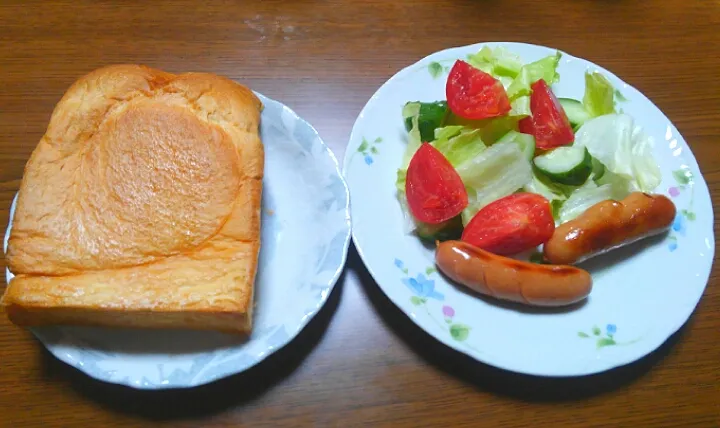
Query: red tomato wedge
474, 94
526, 126
511, 225
549, 124
434, 190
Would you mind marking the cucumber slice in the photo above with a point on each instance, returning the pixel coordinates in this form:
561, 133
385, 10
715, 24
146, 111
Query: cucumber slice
430, 116
526, 142
566, 165
575, 111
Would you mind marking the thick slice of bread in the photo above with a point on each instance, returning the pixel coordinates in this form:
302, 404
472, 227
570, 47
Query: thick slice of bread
140, 206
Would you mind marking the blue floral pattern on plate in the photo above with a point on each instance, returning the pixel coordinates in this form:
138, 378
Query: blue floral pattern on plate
423, 287
685, 181
530, 341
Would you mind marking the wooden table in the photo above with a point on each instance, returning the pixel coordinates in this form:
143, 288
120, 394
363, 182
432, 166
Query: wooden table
361, 362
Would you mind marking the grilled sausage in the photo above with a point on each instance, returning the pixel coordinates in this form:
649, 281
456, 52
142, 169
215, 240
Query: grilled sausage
509, 279
608, 225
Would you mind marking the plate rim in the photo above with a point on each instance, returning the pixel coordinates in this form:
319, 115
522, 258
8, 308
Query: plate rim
700, 184
292, 335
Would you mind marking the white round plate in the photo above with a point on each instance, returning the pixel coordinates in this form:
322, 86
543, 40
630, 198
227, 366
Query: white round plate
305, 237
642, 294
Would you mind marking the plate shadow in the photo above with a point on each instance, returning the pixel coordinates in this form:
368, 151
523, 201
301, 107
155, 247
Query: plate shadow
495, 380
218, 396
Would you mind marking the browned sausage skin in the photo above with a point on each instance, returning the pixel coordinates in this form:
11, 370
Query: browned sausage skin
509, 279
609, 225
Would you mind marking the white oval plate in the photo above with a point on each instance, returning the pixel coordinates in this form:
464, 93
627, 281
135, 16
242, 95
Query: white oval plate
641, 295
305, 237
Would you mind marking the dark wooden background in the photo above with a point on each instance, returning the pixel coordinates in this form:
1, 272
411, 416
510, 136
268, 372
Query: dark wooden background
361, 362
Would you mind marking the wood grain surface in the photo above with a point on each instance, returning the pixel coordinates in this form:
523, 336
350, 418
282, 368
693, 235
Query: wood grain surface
361, 362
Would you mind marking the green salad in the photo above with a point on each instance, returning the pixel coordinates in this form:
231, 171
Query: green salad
605, 156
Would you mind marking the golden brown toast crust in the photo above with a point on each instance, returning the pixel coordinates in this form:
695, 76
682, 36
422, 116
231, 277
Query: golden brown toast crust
143, 197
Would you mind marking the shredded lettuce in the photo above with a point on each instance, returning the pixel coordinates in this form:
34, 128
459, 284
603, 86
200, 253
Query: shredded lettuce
525, 142
545, 68
409, 222
413, 143
490, 129
622, 147
515, 77
619, 182
505, 80
645, 169
447, 132
602, 185
599, 98
519, 89
497, 172
498, 62
458, 145
520, 106
570, 201
555, 193
590, 194
544, 189
400, 180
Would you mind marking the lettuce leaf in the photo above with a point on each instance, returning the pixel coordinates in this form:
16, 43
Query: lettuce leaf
505, 80
414, 140
544, 189
619, 182
623, 148
590, 194
409, 222
447, 132
525, 142
458, 145
497, 172
555, 193
491, 130
520, 106
515, 77
498, 61
413, 144
645, 169
545, 68
599, 98
570, 201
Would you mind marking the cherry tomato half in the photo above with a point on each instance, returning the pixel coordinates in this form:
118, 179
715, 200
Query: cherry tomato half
511, 225
474, 94
434, 190
548, 124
